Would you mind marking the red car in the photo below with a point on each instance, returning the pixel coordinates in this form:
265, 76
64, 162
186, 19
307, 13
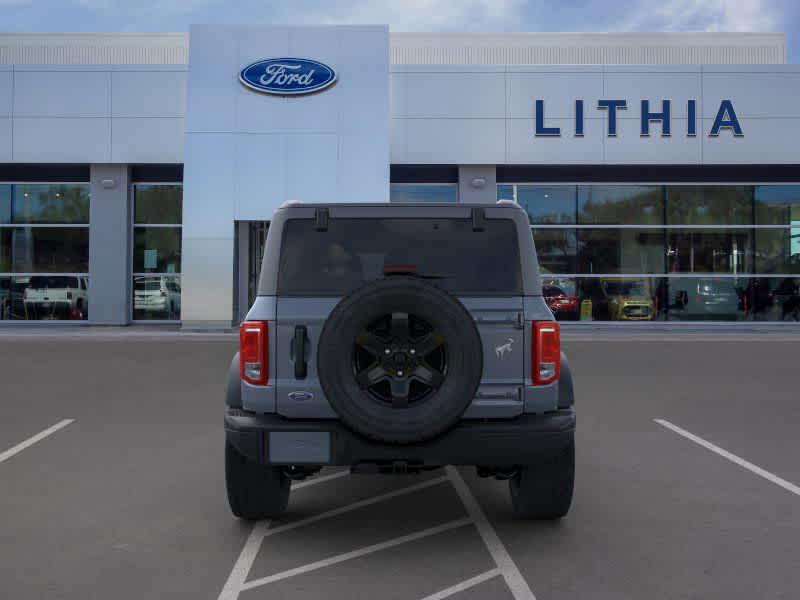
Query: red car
563, 305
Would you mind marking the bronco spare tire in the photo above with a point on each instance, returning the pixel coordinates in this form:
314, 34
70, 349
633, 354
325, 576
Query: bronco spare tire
399, 360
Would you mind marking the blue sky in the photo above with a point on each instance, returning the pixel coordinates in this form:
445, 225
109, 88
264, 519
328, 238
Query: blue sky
414, 15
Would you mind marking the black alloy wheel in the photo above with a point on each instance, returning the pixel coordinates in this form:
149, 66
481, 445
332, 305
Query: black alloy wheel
400, 359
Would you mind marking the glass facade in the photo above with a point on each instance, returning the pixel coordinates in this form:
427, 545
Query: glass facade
44, 251
666, 252
156, 263
423, 192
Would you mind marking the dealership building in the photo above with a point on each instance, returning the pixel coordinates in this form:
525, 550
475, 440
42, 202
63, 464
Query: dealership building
139, 172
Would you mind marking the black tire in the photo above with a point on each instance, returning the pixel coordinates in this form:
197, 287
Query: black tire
545, 491
254, 491
442, 407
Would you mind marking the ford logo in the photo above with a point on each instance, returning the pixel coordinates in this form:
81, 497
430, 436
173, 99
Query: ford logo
287, 76
300, 396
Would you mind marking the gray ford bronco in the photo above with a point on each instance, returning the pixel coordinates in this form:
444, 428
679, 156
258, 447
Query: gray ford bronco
394, 339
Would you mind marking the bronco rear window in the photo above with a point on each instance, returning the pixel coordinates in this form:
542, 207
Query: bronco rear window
445, 252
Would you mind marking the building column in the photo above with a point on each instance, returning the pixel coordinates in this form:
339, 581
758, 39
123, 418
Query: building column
477, 184
242, 268
109, 245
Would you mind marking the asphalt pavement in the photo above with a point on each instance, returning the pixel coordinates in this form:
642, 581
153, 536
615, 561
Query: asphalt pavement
111, 483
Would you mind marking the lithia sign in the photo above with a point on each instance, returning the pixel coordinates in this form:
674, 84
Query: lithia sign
725, 120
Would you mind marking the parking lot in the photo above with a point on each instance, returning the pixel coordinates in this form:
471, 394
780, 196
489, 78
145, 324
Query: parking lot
111, 483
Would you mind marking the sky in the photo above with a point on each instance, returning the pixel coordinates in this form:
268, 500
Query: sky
414, 15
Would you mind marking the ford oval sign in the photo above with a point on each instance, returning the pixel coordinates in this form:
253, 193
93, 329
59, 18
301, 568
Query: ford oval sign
287, 76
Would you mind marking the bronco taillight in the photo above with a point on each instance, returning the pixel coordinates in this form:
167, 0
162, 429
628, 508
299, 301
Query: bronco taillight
545, 352
253, 352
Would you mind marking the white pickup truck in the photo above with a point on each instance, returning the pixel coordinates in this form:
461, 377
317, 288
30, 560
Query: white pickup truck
56, 296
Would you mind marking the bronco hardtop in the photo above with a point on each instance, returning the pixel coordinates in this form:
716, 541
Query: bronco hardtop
396, 338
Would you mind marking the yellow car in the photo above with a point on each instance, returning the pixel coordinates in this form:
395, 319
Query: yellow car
628, 299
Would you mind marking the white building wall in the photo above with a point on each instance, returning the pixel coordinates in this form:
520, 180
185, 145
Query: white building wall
246, 153
462, 98
485, 114
92, 113
440, 114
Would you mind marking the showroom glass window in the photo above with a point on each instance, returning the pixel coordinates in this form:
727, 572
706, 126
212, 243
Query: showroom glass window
680, 251
156, 286
423, 192
44, 251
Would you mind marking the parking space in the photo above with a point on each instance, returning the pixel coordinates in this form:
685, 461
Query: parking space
127, 500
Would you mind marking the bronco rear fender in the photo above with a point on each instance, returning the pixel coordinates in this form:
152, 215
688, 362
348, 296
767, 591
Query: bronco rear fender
566, 393
233, 391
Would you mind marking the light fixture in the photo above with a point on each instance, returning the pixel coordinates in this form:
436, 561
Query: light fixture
478, 183
108, 183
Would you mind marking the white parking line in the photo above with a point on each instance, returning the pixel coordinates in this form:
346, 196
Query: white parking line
33, 439
247, 556
514, 580
245, 562
355, 505
234, 586
788, 486
411, 537
237, 580
464, 585
320, 479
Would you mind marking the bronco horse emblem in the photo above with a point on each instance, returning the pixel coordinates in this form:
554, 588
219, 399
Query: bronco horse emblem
501, 350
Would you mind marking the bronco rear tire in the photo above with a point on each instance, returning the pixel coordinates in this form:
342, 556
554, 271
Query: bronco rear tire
545, 491
254, 491
399, 360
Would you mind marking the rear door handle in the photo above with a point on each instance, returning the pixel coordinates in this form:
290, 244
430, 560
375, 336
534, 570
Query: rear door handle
300, 365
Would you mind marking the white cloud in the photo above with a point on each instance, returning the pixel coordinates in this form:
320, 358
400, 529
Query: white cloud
414, 15
705, 15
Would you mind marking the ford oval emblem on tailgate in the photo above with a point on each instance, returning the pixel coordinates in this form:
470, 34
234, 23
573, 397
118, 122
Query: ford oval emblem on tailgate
300, 396
287, 76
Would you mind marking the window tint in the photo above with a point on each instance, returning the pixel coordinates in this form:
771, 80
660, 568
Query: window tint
709, 205
505, 192
621, 250
620, 204
44, 249
709, 250
160, 204
556, 250
45, 203
778, 250
548, 204
777, 205
446, 252
423, 192
44, 234
157, 249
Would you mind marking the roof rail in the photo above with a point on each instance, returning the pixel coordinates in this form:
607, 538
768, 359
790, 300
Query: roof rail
321, 219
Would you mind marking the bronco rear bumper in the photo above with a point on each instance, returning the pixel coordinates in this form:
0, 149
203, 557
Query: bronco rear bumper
525, 440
